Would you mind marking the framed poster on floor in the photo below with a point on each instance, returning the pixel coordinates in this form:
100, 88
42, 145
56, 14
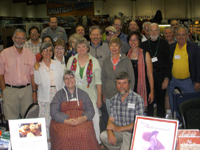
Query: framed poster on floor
152, 133
28, 134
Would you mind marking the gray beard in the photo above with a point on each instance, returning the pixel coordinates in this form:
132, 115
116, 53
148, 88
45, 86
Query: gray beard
154, 38
18, 45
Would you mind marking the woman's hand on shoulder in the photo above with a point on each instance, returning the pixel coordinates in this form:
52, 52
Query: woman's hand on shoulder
37, 66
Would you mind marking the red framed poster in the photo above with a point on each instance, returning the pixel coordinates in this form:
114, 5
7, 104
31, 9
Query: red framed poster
152, 133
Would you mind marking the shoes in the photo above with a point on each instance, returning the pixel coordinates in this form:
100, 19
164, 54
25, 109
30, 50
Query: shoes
168, 116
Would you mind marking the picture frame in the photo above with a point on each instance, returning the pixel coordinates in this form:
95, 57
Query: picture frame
154, 133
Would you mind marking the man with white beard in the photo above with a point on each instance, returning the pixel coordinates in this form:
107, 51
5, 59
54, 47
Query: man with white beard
159, 51
17, 77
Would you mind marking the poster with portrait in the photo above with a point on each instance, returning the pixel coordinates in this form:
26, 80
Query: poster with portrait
28, 134
152, 133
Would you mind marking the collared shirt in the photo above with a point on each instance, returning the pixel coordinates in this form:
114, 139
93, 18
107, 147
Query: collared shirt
124, 113
59, 33
180, 68
16, 67
49, 71
34, 48
62, 62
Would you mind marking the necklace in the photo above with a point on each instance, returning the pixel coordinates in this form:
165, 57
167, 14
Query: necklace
134, 56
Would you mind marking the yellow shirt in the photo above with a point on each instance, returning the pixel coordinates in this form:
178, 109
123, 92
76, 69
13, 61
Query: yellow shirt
180, 68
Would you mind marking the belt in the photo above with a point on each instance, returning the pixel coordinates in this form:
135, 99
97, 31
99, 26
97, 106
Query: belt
18, 87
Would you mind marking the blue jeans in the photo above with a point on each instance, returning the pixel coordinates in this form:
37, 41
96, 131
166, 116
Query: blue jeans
185, 85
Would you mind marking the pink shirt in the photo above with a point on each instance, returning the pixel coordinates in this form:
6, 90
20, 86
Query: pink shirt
50, 72
16, 67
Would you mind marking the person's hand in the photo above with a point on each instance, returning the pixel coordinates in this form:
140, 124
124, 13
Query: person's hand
104, 99
99, 103
69, 121
165, 83
34, 97
197, 87
79, 120
111, 138
36, 66
113, 127
151, 97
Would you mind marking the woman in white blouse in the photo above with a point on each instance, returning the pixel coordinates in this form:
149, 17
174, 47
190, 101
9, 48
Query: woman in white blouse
48, 76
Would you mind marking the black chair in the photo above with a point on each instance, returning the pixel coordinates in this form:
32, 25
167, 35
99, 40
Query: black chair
32, 111
190, 111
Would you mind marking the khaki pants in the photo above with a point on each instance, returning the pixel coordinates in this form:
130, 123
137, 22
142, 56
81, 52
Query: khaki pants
16, 101
123, 140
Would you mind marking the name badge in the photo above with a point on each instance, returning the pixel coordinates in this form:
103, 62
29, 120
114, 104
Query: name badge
154, 59
52, 66
80, 82
177, 57
132, 106
73, 99
55, 39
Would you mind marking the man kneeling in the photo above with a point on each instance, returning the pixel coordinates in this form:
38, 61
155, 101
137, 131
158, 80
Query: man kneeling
124, 106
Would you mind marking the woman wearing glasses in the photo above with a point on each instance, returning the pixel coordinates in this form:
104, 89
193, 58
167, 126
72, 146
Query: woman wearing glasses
59, 51
48, 76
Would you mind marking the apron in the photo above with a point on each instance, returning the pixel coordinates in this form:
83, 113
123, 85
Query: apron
67, 137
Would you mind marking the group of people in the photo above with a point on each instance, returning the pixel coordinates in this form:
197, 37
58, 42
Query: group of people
122, 76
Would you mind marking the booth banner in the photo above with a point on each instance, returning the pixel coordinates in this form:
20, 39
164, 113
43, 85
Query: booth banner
79, 9
152, 133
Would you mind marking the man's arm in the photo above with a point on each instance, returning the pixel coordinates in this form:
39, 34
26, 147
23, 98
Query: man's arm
34, 88
2, 83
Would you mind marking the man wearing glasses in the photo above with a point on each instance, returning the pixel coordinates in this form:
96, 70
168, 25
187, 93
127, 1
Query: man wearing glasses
34, 42
186, 65
17, 77
118, 26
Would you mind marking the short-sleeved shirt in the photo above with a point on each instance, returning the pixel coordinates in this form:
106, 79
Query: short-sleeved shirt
16, 67
34, 48
59, 33
124, 113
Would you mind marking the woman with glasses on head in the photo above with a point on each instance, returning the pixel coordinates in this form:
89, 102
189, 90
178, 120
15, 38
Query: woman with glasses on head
48, 76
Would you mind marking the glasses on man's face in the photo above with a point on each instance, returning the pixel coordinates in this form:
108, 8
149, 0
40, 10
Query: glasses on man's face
19, 38
154, 30
117, 24
34, 32
47, 50
174, 24
181, 34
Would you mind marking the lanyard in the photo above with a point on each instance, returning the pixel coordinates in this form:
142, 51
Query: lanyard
156, 47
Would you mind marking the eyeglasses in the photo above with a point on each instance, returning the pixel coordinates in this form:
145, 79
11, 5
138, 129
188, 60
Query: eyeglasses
117, 24
174, 24
34, 32
57, 48
154, 30
181, 34
47, 50
70, 78
19, 38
